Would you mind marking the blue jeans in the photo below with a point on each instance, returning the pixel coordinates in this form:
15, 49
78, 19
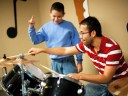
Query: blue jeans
64, 65
93, 89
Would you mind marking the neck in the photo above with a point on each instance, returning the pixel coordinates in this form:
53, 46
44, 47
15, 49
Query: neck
96, 43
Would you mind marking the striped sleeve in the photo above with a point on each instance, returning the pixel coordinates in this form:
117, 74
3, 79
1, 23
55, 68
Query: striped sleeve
114, 55
80, 47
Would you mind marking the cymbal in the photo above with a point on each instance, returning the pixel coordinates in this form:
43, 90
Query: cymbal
119, 87
16, 56
10, 62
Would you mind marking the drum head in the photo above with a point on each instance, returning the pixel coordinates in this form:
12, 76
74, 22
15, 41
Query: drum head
56, 86
32, 70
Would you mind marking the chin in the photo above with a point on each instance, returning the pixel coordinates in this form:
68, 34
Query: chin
85, 43
56, 22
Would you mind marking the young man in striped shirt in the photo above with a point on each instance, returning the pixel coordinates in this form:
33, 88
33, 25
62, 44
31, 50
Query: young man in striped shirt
105, 54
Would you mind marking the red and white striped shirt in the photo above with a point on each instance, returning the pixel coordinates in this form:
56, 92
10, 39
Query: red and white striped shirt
109, 54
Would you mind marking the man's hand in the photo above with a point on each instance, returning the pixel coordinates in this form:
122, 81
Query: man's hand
34, 51
75, 76
31, 22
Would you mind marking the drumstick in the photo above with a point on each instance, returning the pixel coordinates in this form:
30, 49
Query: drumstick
49, 69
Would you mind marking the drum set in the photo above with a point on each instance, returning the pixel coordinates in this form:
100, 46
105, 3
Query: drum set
25, 79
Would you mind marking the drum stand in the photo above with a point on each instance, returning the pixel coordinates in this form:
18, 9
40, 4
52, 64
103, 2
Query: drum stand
24, 83
27, 91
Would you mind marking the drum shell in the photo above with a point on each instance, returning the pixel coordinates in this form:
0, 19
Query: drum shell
64, 88
12, 82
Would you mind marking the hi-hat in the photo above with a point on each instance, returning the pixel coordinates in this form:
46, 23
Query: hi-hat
10, 62
119, 87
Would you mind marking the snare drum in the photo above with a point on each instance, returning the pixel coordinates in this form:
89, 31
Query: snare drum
12, 82
62, 86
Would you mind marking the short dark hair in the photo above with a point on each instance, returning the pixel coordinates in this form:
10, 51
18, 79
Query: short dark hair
92, 24
57, 6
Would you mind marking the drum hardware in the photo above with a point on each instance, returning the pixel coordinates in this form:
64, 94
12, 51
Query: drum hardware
3, 61
12, 61
12, 82
4, 71
60, 77
30, 90
22, 77
58, 82
43, 85
81, 91
37, 90
24, 83
25, 90
17, 56
67, 87
4, 56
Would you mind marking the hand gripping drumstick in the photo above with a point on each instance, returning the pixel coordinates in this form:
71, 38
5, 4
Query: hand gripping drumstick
49, 69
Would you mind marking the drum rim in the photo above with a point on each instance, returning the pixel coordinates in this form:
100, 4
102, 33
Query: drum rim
33, 75
28, 73
3, 87
67, 78
72, 80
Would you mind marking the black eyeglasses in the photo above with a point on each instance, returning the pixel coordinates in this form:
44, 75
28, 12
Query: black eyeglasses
82, 33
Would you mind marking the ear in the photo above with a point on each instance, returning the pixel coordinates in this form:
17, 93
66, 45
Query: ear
93, 33
63, 14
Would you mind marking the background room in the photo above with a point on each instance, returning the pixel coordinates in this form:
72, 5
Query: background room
113, 15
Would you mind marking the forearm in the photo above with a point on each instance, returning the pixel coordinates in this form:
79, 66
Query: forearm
101, 79
94, 78
55, 51
62, 51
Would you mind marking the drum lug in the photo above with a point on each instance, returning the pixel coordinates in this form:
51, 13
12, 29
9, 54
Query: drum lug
4, 70
43, 84
81, 91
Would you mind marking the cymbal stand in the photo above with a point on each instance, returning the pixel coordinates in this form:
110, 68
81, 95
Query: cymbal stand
24, 90
38, 90
24, 83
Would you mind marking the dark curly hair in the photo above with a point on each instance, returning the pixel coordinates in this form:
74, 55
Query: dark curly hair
92, 24
57, 6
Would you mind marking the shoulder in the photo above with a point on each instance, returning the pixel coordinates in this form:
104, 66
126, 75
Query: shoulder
80, 47
68, 22
110, 43
48, 23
